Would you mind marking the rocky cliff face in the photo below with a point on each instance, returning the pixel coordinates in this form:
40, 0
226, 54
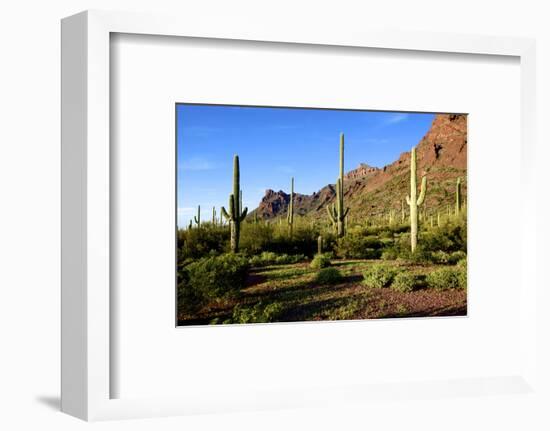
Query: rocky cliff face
370, 191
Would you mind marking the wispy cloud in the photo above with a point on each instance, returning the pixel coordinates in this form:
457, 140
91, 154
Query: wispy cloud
196, 164
395, 118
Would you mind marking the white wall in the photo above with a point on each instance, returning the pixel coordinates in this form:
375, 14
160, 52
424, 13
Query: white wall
30, 183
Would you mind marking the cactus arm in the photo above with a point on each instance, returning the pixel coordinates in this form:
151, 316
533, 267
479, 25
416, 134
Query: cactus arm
244, 213
422, 196
224, 213
330, 215
346, 212
408, 199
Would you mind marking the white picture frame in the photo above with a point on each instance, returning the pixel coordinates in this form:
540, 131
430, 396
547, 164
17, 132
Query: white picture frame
86, 312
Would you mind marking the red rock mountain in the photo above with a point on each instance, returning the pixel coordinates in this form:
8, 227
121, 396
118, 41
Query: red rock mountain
370, 191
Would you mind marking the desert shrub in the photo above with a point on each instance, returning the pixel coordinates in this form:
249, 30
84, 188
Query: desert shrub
462, 268
258, 313
446, 278
440, 256
197, 243
379, 275
269, 258
456, 256
389, 254
320, 261
285, 259
357, 246
303, 241
328, 276
255, 237
189, 299
217, 277
406, 281
449, 237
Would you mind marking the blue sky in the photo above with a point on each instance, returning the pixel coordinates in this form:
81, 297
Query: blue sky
275, 144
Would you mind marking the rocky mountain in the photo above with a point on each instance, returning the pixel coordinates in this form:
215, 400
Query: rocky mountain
372, 192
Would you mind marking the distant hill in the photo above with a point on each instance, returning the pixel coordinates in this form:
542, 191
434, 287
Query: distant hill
372, 192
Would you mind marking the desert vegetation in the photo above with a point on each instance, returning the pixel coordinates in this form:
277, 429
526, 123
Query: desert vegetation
408, 259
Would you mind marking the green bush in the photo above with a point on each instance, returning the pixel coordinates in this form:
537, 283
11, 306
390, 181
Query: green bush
328, 276
189, 299
357, 246
462, 268
320, 261
255, 237
213, 278
440, 256
456, 256
303, 241
406, 282
267, 258
258, 313
197, 243
447, 278
389, 254
379, 275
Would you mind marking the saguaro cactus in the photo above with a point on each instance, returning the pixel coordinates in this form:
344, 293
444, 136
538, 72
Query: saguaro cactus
290, 215
458, 197
235, 215
213, 216
414, 202
337, 213
319, 244
402, 211
197, 218
190, 224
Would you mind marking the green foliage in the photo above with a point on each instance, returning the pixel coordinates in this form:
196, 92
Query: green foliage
269, 258
210, 279
328, 276
389, 254
303, 241
320, 261
357, 246
457, 256
197, 243
407, 281
256, 238
259, 313
447, 278
379, 275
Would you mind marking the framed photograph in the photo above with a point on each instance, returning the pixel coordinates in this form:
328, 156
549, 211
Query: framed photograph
378, 242
267, 218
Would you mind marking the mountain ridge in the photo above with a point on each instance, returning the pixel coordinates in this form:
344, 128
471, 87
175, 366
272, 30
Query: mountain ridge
372, 192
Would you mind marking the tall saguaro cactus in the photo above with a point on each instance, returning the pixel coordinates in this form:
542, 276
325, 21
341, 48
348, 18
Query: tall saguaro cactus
290, 215
458, 197
414, 201
337, 213
198, 217
235, 215
213, 216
